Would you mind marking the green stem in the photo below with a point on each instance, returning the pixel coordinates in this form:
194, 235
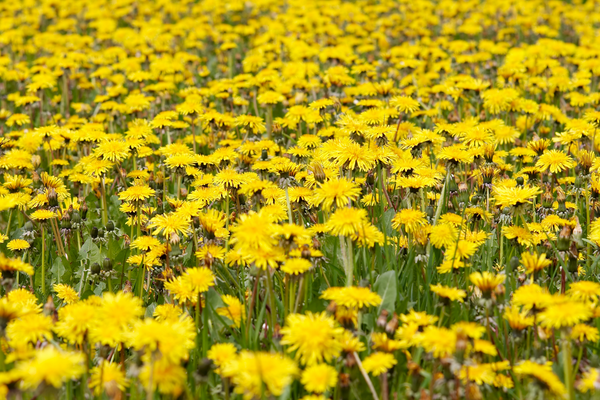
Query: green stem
198, 306
366, 376
178, 186
272, 305
567, 369
9, 221
141, 294
269, 120
349, 262
43, 261
104, 204
300, 296
289, 207
588, 258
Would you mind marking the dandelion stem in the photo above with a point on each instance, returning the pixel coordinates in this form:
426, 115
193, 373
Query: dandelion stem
567, 365
194, 135
366, 376
269, 121
104, 204
346, 247
252, 302
9, 221
300, 295
178, 186
141, 281
289, 207
272, 304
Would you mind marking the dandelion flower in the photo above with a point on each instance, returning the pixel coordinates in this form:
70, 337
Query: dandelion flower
318, 378
409, 218
450, 293
66, 293
50, 366
108, 377
256, 374
555, 161
346, 221
314, 337
564, 314
378, 363
352, 297
533, 262
338, 191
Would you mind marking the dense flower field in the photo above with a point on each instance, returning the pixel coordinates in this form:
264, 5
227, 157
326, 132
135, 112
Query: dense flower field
302, 199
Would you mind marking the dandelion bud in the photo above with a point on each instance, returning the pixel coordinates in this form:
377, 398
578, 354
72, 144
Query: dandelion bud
564, 239
316, 243
52, 198
332, 307
572, 266
107, 264
264, 155
578, 234
392, 325
350, 360
83, 210
305, 251
371, 178
382, 320
95, 268
344, 380
101, 232
28, 226
547, 199
520, 181
110, 226
49, 307
318, 172
65, 223
204, 366
472, 392
174, 239
452, 186
94, 232
36, 160
561, 197
183, 192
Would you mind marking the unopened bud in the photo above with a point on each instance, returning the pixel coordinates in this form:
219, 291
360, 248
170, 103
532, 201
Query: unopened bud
95, 268
36, 160
52, 197
107, 264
